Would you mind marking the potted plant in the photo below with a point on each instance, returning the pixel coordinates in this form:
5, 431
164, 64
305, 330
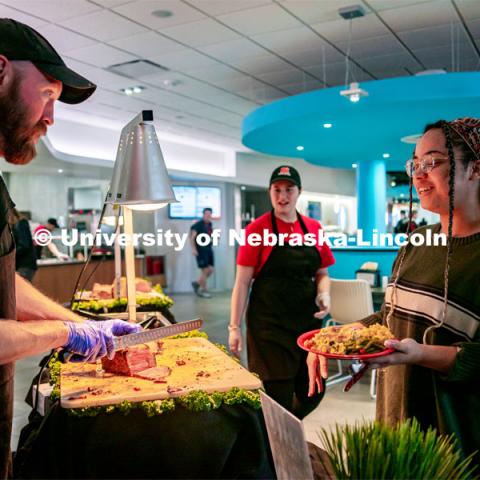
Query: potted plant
372, 450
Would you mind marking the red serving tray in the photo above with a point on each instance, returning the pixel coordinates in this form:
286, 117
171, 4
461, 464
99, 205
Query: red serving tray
360, 356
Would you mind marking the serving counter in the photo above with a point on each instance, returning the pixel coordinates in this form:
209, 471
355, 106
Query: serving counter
201, 421
350, 259
57, 278
229, 442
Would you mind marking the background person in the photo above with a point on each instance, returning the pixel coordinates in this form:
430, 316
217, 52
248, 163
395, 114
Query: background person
25, 254
32, 78
406, 224
203, 254
289, 295
433, 306
413, 222
401, 226
51, 225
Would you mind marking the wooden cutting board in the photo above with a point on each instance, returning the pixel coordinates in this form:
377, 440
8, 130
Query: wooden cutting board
206, 368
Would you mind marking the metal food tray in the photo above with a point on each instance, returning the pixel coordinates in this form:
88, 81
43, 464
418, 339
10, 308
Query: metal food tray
143, 318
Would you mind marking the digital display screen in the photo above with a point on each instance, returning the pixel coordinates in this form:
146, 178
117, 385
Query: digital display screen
187, 206
192, 201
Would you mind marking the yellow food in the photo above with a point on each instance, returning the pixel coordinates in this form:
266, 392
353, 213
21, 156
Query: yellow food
345, 340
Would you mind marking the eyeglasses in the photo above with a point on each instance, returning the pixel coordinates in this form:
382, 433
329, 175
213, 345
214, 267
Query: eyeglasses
423, 165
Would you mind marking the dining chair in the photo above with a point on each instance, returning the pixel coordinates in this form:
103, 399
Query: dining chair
351, 300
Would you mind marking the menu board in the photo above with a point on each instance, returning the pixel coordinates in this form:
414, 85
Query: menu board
192, 201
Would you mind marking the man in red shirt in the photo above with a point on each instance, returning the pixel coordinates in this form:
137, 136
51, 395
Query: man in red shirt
50, 226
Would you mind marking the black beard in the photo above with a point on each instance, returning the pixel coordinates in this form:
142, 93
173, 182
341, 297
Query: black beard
16, 140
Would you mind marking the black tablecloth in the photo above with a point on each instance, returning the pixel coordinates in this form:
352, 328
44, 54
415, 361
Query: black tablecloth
230, 442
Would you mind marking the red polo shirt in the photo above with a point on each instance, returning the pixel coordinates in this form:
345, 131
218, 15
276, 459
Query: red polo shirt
38, 229
256, 256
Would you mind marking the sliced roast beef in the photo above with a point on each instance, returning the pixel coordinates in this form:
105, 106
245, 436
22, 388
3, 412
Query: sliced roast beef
130, 361
154, 373
102, 291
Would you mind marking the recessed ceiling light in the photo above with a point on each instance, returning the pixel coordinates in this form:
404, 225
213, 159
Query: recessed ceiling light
171, 82
386, 155
243, 187
393, 183
300, 148
354, 165
402, 195
327, 125
162, 13
60, 170
412, 139
132, 90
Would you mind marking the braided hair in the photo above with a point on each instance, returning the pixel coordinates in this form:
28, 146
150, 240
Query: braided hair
451, 201
452, 139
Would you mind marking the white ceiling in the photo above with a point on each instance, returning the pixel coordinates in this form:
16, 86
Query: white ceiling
231, 56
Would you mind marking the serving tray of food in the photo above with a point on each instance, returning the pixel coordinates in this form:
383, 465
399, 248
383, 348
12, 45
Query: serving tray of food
101, 300
345, 342
153, 371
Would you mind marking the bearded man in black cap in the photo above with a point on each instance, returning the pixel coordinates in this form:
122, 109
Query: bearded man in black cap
32, 78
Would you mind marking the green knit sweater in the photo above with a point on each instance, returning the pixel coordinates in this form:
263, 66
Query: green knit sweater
450, 403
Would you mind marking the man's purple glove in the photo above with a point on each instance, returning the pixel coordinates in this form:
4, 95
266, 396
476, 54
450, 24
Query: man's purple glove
91, 340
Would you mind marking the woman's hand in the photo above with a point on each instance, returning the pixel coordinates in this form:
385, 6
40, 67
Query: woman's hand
317, 369
407, 351
235, 341
323, 303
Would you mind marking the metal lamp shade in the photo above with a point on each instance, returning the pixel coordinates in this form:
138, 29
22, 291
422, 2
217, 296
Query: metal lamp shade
140, 176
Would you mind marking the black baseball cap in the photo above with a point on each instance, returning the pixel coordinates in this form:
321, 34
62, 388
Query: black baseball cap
53, 221
288, 173
21, 42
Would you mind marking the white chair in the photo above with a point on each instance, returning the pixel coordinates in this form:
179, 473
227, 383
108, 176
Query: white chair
351, 301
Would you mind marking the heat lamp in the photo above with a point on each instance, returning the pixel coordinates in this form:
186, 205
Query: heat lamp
140, 182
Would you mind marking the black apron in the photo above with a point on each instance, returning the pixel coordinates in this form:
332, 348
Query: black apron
7, 312
281, 307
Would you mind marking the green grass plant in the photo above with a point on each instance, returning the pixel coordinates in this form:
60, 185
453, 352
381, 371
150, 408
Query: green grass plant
371, 450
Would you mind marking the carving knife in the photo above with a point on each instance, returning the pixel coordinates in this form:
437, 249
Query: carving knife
145, 336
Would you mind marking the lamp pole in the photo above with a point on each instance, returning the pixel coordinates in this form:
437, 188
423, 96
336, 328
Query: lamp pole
130, 264
117, 254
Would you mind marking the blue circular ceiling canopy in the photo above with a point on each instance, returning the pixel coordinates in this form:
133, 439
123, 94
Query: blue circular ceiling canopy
395, 108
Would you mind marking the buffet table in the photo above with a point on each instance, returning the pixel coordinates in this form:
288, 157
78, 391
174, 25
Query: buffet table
201, 421
230, 442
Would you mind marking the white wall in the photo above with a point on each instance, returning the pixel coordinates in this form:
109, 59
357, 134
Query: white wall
330, 210
255, 169
101, 143
47, 195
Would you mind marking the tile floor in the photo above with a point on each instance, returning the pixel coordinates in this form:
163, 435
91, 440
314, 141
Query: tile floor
336, 406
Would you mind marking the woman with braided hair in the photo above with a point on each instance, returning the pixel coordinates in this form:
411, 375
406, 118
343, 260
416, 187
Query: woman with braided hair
432, 304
